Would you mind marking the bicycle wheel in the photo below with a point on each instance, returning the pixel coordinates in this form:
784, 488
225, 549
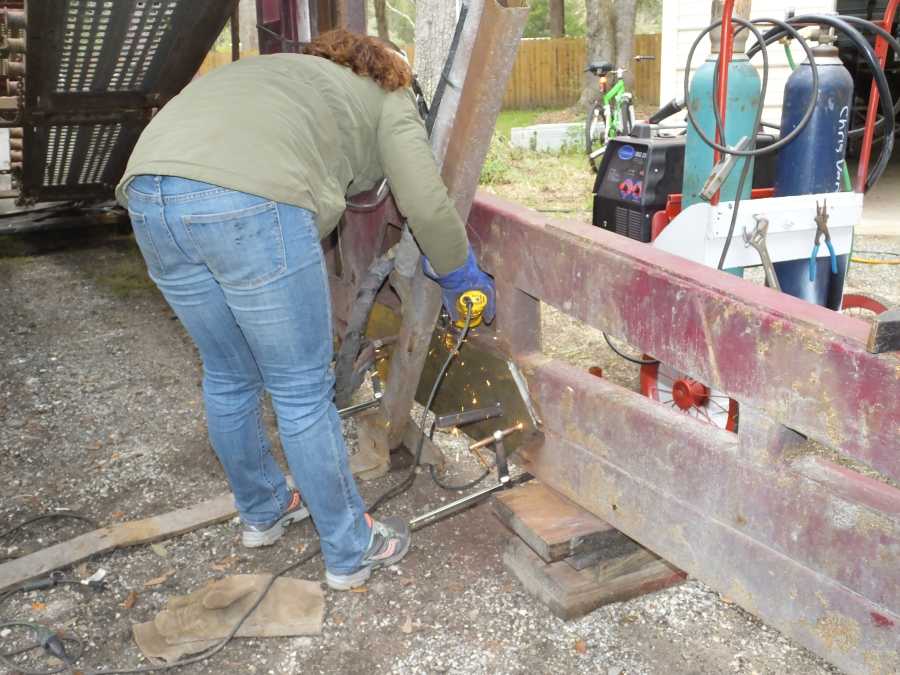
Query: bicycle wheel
680, 392
595, 135
862, 306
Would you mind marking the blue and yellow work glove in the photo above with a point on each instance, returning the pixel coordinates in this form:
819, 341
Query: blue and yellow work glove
465, 283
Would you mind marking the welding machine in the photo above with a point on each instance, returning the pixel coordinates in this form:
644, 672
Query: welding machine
639, 172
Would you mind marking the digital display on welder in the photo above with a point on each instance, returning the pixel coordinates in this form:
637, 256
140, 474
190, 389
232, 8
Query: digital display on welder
624, 178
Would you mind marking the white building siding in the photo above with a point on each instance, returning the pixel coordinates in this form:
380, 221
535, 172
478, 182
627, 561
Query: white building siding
683, 20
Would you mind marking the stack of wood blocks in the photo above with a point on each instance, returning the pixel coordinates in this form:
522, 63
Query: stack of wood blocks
571, 560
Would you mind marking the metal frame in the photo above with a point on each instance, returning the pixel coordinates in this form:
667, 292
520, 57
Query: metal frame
807, 544
95, 75
799, 539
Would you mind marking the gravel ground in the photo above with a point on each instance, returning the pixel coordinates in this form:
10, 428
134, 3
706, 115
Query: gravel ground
101, 412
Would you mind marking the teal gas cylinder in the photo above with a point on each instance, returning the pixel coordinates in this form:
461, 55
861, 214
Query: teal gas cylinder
740, 116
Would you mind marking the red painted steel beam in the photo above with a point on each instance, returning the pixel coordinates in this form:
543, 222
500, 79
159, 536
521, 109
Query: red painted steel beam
802, 364
811, 551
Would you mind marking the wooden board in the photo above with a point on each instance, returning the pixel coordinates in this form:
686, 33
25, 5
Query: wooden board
554, 527
148, 530
570, 593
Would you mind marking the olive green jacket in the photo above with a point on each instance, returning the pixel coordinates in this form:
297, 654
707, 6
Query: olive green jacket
302, 130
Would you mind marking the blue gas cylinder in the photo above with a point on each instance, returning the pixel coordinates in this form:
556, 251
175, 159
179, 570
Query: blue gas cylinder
814, 163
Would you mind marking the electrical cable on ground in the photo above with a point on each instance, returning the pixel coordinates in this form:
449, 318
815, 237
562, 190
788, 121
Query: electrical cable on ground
313, 551
874, 261
631, 359
48, 516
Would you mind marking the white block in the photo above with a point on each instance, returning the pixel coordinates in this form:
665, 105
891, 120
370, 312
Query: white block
549, 137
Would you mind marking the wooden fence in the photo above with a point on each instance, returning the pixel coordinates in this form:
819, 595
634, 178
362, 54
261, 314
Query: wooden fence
549, 72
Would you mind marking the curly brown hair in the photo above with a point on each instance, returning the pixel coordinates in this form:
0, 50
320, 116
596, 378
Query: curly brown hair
364, 55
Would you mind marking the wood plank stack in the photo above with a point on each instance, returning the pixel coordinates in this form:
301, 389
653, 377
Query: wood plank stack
571, 560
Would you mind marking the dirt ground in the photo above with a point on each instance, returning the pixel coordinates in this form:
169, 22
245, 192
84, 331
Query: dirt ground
101, 412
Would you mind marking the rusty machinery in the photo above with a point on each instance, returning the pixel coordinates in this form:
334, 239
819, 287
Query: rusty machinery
807, 541
79, 80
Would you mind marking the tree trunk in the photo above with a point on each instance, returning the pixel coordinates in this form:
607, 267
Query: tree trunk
601, 45
249, 32
557, 18
381, 19
435, 25
626, 10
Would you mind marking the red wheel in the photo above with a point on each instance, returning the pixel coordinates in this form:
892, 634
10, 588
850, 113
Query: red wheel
862, 306
680, 392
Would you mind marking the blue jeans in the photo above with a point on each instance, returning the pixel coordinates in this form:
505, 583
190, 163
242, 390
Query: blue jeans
246, 277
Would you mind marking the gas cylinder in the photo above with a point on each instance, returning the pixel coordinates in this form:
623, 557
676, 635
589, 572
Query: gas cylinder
740, 113
814, 163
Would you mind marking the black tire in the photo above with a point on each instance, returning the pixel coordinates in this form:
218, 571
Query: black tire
597, 110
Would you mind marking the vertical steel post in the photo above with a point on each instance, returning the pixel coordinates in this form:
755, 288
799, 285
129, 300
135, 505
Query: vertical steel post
881, 49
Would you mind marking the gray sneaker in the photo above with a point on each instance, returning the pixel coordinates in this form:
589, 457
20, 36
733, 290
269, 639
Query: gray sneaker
255, 536
389, 543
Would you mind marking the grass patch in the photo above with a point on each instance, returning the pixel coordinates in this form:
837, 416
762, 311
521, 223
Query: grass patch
123, 277
515, 118
554, 184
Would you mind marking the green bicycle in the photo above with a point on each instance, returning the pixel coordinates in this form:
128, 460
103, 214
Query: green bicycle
612, 113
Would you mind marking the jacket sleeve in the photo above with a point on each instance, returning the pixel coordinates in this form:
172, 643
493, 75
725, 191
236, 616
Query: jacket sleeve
417, 186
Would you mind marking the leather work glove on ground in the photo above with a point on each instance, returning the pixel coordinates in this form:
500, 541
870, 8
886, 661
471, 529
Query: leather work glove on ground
194, 622
468, 277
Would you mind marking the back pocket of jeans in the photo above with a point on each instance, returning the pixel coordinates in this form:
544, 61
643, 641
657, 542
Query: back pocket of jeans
243, 248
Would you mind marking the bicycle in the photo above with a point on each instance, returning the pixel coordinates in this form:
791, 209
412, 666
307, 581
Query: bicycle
612, 113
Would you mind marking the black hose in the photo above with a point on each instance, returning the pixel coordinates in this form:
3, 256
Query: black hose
631, 359
866, 50
862, 24
873, 27
753, 152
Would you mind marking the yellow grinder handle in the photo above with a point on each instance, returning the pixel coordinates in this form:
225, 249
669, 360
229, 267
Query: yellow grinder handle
479, 303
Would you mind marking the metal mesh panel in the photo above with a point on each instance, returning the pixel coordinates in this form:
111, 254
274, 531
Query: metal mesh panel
91, 37
150, 21
85, 32
61, 142
103, 139
97, 69
78, 154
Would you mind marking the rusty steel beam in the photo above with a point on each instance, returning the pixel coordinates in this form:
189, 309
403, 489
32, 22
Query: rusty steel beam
802, 364
495, 32
773, 535
493, 54
496, 41
809, 546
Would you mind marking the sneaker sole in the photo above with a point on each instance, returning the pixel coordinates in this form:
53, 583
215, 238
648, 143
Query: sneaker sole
254, 539
346, 582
